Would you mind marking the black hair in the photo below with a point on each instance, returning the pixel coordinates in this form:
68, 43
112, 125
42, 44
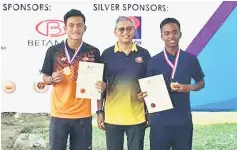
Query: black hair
74, 12
169, 20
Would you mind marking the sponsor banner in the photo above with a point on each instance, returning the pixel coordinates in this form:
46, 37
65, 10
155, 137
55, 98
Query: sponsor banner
30, 28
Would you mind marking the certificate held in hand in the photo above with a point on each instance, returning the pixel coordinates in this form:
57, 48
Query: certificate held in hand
88, 74
158, 98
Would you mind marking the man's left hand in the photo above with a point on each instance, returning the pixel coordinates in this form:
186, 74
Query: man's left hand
100, 86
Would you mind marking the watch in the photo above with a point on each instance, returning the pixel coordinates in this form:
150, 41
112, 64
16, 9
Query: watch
99, 112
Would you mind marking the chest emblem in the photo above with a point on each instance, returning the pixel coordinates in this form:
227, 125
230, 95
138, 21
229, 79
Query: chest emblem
139, 59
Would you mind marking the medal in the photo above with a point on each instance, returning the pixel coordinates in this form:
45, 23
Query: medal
66, 71
173, 84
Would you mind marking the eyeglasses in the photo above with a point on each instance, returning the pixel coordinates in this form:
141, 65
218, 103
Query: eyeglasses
122, 29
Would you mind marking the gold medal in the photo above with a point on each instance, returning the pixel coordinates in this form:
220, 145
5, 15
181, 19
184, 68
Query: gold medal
173, 85
66, 71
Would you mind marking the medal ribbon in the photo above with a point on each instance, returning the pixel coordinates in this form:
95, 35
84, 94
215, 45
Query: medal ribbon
67, 54
173, 66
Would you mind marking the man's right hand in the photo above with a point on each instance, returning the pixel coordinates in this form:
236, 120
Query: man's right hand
57, 76
100, 121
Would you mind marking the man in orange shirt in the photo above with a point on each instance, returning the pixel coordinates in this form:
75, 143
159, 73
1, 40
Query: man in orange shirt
70, 115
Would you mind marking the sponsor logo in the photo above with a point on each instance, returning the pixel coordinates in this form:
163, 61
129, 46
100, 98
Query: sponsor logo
9, 87
137, 21
63, 59
40, 87
51, 28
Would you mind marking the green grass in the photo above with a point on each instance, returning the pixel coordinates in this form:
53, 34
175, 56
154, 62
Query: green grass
215, 137
206, 137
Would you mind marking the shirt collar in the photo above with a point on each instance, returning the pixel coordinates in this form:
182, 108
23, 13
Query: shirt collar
117, 49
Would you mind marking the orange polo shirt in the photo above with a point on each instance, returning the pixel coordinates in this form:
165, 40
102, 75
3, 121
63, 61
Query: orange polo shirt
64, 103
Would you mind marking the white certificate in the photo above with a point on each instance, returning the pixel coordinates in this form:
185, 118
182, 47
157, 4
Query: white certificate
88, 74
158, 98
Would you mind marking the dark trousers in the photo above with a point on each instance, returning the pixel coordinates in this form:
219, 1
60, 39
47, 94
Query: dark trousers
164, 137
115, 136
80, 131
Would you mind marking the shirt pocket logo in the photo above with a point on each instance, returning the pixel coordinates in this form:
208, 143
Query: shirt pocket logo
139, 59
63, 59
